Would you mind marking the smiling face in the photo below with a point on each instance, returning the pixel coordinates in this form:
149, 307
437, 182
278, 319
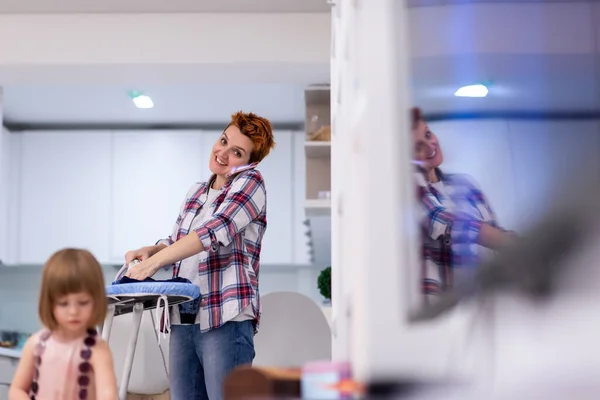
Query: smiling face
426, 146
232, 149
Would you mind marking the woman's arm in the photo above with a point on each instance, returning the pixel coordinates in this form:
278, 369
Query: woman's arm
104, 372
245, 200
491, 235
437, 219
495, 238
21, 383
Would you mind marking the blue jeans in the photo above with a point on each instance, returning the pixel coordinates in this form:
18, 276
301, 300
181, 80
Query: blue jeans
199, 362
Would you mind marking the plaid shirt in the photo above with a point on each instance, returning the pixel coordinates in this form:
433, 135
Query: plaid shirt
450, 225
232, 238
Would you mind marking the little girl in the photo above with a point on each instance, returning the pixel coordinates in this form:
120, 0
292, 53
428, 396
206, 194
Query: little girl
68, 360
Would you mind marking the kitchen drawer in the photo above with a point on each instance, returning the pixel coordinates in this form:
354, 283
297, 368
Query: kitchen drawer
7, 370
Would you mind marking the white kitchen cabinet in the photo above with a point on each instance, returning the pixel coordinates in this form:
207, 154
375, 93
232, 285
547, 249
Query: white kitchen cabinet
113, 191
8, 366
277, 170
151, 174
302, 231
6, 252
64, 194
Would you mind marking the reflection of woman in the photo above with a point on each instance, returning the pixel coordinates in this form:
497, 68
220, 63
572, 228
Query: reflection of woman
455, 214
216, 244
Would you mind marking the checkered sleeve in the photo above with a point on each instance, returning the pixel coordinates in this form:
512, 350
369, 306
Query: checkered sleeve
478, 197
436, 219
244, 202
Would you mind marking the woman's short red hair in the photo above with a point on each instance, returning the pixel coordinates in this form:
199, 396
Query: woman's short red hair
416, 116
258, 129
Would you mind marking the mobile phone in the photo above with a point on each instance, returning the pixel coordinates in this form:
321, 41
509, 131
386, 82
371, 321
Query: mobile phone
242, 168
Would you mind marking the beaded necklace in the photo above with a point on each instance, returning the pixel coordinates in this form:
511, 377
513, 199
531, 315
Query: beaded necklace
83, 380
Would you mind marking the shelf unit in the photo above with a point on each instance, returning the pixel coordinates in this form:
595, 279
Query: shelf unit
318, 175
318, 153
318, 150
318, 207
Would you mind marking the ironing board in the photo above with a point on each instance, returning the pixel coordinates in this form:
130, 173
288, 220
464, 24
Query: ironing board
136, 298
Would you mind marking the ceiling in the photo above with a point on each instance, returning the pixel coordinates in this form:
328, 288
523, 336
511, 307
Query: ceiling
199, 6
161, 6
538, 83
517, 83
202, 95
427, 3
189, 104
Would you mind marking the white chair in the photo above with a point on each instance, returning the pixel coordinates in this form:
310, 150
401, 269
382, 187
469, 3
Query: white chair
293, 331
149, 373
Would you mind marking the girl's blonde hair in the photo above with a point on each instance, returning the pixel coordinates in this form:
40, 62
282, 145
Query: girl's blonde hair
71, 271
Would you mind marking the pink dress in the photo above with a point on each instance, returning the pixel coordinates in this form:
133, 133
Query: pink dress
64, 370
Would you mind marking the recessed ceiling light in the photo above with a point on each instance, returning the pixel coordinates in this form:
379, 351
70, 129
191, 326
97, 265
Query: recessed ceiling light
472, 91
141, 100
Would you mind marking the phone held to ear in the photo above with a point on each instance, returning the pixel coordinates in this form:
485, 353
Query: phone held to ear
242, 168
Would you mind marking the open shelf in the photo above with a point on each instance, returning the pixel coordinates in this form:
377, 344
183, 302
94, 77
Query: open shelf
317, 149
317, 203
317, 207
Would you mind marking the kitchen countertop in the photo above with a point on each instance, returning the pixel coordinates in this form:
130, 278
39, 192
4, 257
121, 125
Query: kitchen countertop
10, 353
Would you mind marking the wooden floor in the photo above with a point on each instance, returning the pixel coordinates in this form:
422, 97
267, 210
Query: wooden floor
164, 396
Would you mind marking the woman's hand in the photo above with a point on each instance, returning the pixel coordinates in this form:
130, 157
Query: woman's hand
142, 270
495, 238
142, 254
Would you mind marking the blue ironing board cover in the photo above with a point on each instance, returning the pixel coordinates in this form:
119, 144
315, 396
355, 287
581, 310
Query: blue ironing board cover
125, 292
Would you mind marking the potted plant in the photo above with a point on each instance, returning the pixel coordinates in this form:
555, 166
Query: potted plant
324, 284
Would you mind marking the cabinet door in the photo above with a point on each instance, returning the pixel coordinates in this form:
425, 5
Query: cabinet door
8, 365
6, 190
302, 240
151, 173
276, 168
4, 391
64, 194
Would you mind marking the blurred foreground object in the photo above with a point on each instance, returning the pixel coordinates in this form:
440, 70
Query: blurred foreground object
262, 383
325, 380
535, 265
539, 303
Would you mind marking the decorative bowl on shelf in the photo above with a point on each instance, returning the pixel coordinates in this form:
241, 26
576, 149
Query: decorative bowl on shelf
323, 134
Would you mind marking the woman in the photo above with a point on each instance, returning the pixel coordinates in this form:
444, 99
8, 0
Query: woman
216, 244
455, 214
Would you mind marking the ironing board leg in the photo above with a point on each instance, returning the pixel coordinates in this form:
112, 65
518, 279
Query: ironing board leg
107, 325
138, 311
